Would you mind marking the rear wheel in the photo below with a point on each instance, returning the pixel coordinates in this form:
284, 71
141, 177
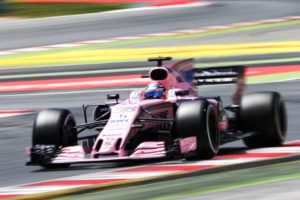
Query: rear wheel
198, 118
54, 127
263, 113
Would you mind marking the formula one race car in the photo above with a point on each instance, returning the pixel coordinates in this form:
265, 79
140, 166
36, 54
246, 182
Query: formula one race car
166, 120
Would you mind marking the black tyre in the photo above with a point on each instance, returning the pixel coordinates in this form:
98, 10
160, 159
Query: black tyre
54, 127
198, 118
265, 114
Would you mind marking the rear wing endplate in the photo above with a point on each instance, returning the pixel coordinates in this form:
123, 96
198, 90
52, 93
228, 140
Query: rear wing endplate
223, 75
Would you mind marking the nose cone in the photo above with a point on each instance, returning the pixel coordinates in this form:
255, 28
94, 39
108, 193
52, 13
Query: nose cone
117, 130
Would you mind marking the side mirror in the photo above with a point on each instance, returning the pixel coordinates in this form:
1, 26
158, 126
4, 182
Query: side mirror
113, 96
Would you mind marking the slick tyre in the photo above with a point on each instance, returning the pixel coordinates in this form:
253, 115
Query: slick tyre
54, 127
263, 113
198, 118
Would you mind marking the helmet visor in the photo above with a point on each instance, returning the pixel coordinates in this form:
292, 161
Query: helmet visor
154, 94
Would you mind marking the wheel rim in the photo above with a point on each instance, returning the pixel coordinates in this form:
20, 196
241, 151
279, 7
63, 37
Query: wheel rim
68, 130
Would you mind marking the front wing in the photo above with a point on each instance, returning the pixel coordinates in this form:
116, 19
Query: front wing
51, 155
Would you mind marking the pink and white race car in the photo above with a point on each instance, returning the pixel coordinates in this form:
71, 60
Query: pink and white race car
166, 120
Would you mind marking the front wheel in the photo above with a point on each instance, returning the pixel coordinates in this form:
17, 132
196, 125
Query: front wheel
264, 114
54, 127
198, 118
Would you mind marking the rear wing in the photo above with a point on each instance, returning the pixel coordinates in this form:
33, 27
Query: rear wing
218, 75
223, 75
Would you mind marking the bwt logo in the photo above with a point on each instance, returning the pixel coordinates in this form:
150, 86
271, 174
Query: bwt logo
126, 108
122, 119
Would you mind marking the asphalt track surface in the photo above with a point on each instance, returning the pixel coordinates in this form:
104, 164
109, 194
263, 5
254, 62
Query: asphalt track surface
16, 131
101, 26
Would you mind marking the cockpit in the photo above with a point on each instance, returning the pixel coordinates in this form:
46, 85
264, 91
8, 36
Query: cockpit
155, 91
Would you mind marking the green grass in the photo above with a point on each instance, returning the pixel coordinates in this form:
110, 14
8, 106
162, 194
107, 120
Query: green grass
32, 10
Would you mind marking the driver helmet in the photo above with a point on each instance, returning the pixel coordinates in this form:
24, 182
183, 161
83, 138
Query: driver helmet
155, 91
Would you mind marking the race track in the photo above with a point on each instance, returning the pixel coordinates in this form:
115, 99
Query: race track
59, 30
15, 132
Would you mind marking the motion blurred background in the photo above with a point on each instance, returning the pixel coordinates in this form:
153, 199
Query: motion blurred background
47, 8
263, 35
4, 7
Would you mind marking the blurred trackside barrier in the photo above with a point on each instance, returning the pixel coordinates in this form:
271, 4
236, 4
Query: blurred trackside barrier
150, 2
4, 6
48, 8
